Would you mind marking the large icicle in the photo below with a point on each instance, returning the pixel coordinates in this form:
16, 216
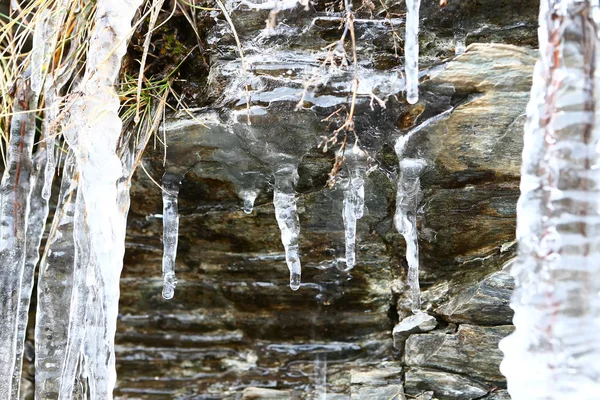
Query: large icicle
21, 252
354, 202
14, 210
411, 50
170, 183
284, 200
554, 352
93, 132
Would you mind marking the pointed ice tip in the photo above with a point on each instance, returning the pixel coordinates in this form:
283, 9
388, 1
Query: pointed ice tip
168, 292
294, 281
248, 207
412, 98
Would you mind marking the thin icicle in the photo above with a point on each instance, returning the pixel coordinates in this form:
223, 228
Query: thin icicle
405, 220
14, 209
170, 183
354, 202
55, 283
411, 51
284, 200
407, 202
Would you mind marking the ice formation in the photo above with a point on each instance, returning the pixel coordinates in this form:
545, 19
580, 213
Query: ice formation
405, 220
248, 196
354, 201
84, 256
170, 183
411, 51
14, 213
407, 203
553, 353
284, 200
23, 209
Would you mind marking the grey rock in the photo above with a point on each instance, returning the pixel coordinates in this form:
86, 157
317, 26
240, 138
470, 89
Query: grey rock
498, 395
382, 375
420, 322
472, 350
425, 396
484, 303
445, 385
391, 392
255, 393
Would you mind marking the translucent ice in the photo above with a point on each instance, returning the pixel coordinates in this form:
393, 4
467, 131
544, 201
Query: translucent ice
554, 352
284, 200
170, 183
354, 202
411, 50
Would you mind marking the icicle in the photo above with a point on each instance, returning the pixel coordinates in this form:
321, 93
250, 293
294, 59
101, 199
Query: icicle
411, 51
554, 351
405, 220
55, 282
249, 196
284, 200
354, 202
170, 183
14, 209
93, 132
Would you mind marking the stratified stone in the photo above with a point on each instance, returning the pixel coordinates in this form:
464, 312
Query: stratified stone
417, 323
385, 374
255, 393
391, 392
383, 382
472, 350
484, 303
498, 395
425, 396
445, 385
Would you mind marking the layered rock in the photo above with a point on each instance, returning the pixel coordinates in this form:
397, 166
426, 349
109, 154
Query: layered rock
234, 328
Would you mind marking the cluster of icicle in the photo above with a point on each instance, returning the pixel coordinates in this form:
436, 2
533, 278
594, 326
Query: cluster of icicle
554, 352
78, 284
82, 262
286, 176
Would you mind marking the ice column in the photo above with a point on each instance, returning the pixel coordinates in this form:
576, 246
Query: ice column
405, 220
14, 210
554, 352
411, 50
93, 132
354, 202
284, 200
170, 183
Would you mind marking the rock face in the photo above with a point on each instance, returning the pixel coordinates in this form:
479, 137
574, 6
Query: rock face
234, 329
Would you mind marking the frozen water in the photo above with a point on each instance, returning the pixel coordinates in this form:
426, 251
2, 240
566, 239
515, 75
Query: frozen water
170, 183
284, 200
411, 50
554, 351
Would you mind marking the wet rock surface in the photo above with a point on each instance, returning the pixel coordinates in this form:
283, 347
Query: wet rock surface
234, 329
